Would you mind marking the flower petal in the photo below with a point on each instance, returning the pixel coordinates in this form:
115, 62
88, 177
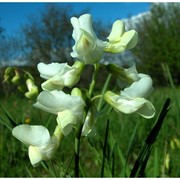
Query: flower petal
85, 43
129, 105
88, 123
53, 83
86, 24
117, 31
32, 135
76, 31
147, 111
57, 101
132, 73
35, 155
49, 70
141, 88
66, 120
89, 49
129, 39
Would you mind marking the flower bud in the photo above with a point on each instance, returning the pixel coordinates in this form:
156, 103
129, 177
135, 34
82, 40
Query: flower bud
9, 71
8, 74
16, 79
76, 92
32, 89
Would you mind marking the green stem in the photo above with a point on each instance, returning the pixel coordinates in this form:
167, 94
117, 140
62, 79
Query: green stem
96, 97
77, 146
79, 129
103, 91
94, 79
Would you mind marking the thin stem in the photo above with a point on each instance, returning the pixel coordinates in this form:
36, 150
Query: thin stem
94, 79
79, 129
96, 97
77, 146
103, 91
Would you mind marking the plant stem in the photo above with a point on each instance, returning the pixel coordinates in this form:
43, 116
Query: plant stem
77, 146
103, 91
94, 79
79, 129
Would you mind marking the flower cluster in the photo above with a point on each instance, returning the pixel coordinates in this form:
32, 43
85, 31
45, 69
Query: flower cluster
73, 110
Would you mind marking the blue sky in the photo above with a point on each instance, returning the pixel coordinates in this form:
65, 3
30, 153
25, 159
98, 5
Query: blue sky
13, 15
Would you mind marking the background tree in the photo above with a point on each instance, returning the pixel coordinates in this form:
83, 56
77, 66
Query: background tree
49, 35
11, 49
159, 35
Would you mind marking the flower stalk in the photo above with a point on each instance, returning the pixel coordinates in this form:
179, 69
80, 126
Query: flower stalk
94, 79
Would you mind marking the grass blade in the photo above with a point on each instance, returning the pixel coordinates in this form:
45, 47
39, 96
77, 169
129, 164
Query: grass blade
104, 148
145, 151
156, 162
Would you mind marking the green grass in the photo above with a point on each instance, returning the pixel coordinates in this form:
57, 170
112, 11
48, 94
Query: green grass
126, 136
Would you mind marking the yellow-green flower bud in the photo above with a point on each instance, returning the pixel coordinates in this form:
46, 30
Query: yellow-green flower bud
76, 92
9, 70
16, 79
8, 74
33, 89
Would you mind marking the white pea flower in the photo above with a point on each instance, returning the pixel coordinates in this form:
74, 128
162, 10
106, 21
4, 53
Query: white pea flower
60, 75
69, 108
41, 146
132, 99
88, 48
119, 40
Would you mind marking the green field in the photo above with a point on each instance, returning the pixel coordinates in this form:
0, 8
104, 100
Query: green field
125, 139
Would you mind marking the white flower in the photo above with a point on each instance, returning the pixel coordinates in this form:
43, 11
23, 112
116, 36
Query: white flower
119, 40
59, 75
132, 99
41, 145
88, 48
69, 108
